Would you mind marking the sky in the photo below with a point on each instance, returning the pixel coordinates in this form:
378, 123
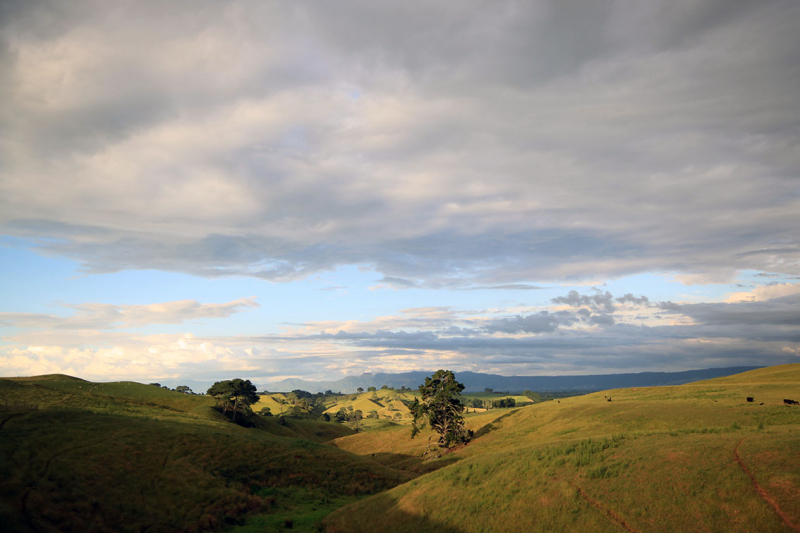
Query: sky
200, 190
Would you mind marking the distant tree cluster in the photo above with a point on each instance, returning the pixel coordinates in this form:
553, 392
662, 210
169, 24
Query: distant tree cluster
476, 403
348, 414
533, 396
505, 402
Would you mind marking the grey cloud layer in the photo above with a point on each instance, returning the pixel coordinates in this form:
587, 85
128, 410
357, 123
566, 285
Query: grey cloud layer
635, 335
484, 145
719, 334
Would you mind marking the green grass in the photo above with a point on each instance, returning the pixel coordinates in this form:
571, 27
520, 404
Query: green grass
386, 402
131, 457
302, 508
519, 399
652, 459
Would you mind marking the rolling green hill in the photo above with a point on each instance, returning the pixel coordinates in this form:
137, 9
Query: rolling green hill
132, 457
695, 457
386, 402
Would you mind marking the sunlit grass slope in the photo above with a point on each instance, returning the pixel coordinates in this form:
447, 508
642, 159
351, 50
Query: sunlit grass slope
271, 401
131, 457
695, 457
386, 402
519, 399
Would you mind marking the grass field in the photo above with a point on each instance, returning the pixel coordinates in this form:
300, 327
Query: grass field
132, 457
520, 400
386, 402
694, 457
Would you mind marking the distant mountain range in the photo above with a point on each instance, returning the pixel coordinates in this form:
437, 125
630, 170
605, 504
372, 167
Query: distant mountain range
476, 382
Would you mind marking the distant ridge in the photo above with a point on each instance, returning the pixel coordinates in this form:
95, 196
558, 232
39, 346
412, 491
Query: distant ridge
475, 382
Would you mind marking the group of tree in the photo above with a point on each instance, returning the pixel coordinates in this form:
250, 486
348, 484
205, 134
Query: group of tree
383, 387
535, 397
180, 388
505, 402
439, 405
234, 395
348, 414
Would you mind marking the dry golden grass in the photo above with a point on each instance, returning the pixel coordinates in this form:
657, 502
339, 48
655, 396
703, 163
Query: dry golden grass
651, 459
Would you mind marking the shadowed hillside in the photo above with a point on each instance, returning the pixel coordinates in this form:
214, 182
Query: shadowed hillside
132, 457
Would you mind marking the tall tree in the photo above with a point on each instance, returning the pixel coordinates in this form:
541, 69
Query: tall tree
441, 407
222, 391
244, 393
238, 391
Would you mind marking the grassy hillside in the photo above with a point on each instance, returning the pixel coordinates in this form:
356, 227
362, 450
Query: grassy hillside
519, 399
387, 403
131, 457
694, 457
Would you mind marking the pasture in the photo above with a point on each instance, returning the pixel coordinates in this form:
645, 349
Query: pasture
686, 458
131, 457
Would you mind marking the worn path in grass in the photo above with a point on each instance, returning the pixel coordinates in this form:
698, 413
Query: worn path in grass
603, 509
761, 492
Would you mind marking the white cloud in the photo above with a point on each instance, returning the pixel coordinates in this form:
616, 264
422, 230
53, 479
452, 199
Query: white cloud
97, 316
136, 360
765, 292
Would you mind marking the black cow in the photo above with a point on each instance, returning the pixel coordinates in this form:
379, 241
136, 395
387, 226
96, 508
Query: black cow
749, 399
791, 402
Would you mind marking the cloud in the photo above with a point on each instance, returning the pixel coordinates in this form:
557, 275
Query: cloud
542, 322
507, 287
106, 316
279, 141
634, 300
782, 311
602, 301
765, 292
139, 358
664, 336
